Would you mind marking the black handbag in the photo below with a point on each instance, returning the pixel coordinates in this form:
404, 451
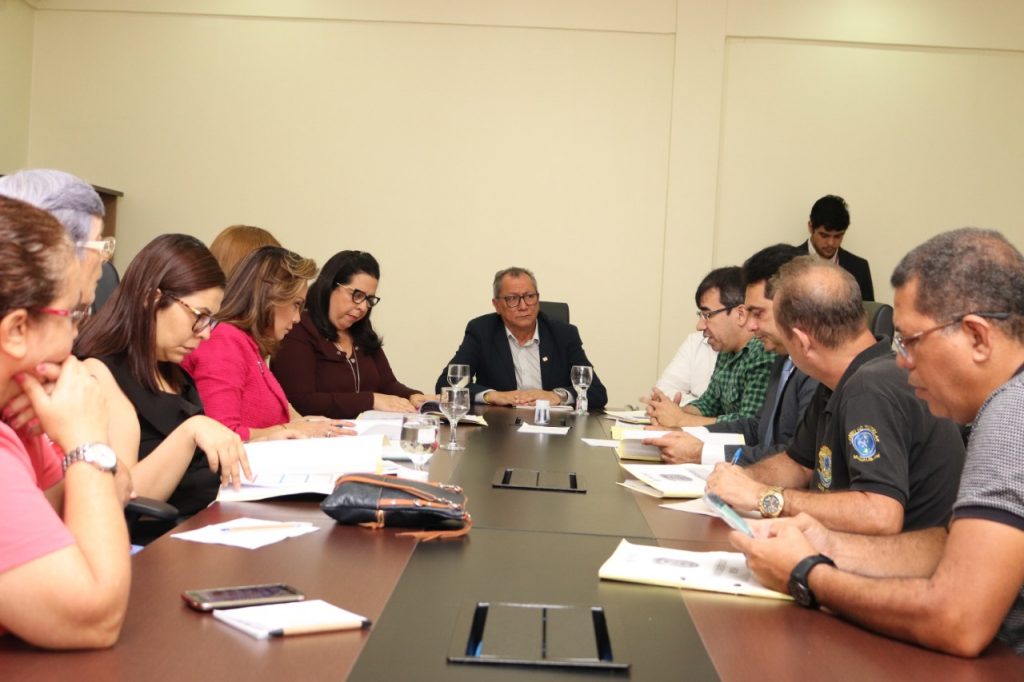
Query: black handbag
375, 501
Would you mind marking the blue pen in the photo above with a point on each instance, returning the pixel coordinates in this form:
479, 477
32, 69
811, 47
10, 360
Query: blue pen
736, 456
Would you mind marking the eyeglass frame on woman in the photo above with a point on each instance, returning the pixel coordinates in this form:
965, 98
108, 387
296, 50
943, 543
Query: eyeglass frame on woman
104, 247
79, 314
358, 295
203, 321
513, 300
708, 314
904, 344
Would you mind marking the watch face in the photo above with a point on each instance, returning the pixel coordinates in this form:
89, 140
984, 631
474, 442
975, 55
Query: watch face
771, 504
800, 593
102, 456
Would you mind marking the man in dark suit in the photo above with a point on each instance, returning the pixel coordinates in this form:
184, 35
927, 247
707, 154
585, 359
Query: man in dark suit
517, 354
789, 389
827, 226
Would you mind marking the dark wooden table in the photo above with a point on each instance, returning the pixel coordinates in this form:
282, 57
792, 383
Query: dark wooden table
526, 546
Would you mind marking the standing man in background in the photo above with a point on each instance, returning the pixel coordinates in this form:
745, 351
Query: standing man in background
827, 226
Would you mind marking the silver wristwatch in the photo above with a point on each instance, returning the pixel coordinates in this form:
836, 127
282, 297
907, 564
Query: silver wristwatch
97, 454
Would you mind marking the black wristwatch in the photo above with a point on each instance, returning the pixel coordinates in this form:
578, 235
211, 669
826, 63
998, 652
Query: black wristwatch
798, 587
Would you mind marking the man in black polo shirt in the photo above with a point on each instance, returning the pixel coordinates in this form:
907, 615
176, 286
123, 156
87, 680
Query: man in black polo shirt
868, 457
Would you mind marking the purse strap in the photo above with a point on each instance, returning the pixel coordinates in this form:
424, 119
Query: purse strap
409, 489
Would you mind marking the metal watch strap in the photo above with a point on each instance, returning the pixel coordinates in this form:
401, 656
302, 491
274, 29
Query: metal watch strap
80, 454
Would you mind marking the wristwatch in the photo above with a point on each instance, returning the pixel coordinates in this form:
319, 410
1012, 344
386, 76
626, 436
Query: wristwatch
798, 587
97, 454
563, 395
771, 503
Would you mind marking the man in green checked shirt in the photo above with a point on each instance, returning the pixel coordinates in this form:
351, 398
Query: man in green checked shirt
738, 384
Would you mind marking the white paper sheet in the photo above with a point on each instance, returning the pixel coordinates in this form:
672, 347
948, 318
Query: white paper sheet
247, 532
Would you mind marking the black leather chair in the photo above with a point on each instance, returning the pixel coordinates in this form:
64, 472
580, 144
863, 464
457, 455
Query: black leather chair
879, 318
556, 310
148, 519
106, 285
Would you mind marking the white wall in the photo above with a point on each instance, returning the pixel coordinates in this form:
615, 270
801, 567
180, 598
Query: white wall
15, 82
621, 149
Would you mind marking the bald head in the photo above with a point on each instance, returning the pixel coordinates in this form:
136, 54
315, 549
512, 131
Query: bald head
820, 298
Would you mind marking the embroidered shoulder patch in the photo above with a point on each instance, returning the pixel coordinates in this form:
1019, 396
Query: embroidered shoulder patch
864, 440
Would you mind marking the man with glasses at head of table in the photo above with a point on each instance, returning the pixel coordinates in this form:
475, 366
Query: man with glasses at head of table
959, 315
740, 380
517, 354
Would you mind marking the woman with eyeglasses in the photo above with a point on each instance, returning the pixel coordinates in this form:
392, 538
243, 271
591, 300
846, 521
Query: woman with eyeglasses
262, 302
161, 311
332, 362
64, 563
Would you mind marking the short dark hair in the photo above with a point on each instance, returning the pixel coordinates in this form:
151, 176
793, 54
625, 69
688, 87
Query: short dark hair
728, 281
967, 270
830, 212
35, 253
340, 269
763, 265
820, 298
173, 265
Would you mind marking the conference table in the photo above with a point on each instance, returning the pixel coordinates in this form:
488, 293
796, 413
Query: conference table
526, 547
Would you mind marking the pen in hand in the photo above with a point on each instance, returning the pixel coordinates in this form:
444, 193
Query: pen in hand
736, 456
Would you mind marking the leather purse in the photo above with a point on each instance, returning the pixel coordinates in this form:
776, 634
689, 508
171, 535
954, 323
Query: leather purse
375, 501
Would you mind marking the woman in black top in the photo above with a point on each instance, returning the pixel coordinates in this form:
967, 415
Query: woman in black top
160, 312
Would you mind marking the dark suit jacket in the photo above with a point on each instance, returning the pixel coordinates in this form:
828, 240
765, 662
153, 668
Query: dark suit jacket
786, 414
485, 349
856, 266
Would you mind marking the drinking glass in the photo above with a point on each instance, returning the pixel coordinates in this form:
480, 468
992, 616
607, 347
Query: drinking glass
419, 438
454, 404
581, 376
458, 376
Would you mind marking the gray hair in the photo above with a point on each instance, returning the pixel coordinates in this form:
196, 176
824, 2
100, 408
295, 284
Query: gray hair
820, 298
511, 272
67, 198
969, 270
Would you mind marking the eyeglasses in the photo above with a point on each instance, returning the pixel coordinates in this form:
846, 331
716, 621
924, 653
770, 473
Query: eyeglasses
708, 314
104, 247
79, 314
905, 343
358, 295
513, 300
204, 320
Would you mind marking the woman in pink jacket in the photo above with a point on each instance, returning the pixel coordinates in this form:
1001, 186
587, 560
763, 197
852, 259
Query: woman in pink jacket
263, 299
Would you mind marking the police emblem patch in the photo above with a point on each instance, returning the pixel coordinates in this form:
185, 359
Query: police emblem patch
864, 440
824, 468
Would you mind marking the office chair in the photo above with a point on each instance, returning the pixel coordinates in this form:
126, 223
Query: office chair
879, 318
555, 310
106, 285
148, 519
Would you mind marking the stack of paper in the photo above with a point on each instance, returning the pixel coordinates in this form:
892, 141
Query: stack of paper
292, 618
628, 416
305, 465
725, 572
670, 480
630, 446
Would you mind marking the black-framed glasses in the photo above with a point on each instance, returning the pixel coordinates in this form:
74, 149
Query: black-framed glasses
79, 314
104, 247
512, 300
358, 295
204, 320
708, 314
905, 343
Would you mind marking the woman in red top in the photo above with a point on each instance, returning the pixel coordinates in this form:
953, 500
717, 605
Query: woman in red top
64, 577
262, 302
332, 363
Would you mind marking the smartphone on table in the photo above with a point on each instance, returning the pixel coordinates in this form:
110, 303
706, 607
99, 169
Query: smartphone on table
242, 595
727, 513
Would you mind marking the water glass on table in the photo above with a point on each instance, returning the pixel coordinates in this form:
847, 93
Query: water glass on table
458, 376
454, 404
419, 438
581, 376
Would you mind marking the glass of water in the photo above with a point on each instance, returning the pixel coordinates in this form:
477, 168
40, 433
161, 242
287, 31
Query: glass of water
454, 404
581, 376
419, 438
458, 376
